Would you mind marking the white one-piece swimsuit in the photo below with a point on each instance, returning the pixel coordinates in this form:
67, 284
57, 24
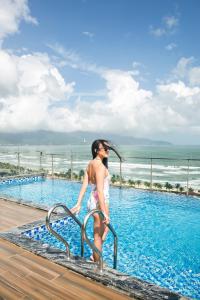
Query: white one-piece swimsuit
93, 201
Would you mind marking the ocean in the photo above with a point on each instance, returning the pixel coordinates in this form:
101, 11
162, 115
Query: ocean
169, 163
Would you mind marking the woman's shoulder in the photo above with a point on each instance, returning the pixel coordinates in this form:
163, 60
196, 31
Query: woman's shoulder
96, 165
92, 164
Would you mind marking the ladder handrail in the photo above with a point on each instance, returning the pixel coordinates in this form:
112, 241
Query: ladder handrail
58, 236
92, 246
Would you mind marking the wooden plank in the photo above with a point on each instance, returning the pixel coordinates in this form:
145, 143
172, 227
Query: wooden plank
8, 292
96, 290
57, 292
10, 212
35, 267
25, 287
12, 266
46, 263
38, 288
9, 249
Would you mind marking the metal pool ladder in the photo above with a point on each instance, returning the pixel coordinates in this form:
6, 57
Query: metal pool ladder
93, 247
83, 233
58, 236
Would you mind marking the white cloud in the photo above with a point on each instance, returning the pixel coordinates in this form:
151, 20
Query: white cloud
12, 12
179, 90
88, 33
183, 100
136, 64
136, 110
186, 71
30, 90
171, 46
72, 59
182, 67
129, 109
170, 24
157, 32
171, 21
8, 74
194, 76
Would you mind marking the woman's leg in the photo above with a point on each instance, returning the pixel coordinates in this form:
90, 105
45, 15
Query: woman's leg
98, 233
106, 229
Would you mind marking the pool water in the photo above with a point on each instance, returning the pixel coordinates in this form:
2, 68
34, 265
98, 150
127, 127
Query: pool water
159, 233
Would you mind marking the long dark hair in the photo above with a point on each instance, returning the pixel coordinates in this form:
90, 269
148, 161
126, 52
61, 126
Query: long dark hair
107, 144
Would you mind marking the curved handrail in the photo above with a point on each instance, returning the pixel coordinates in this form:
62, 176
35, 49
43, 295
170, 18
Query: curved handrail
58, 236
92, 246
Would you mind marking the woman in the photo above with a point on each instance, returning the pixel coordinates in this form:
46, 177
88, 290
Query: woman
97, 175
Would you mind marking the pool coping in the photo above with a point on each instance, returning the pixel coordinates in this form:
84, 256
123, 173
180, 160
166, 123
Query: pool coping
127, 284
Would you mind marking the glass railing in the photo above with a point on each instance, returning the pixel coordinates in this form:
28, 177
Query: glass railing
155, 173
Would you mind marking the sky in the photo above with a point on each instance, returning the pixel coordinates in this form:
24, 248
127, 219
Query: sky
130, 67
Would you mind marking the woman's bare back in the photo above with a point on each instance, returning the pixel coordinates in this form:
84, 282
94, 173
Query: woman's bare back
92, 168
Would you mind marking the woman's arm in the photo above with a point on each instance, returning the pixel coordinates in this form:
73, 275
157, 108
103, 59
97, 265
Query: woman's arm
77, 207
100, 175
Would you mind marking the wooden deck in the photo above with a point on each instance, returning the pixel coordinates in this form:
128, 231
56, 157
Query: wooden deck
13, 214
25, 275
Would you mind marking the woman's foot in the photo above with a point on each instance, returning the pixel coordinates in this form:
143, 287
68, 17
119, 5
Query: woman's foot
92, 258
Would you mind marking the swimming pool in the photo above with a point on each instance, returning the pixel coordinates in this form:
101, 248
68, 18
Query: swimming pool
159, 233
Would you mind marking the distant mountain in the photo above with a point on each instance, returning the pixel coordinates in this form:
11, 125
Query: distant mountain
43, 137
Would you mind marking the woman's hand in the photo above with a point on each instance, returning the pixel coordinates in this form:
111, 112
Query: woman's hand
76, 209
106, 219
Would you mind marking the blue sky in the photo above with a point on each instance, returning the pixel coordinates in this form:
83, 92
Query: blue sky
131, 67
120, 33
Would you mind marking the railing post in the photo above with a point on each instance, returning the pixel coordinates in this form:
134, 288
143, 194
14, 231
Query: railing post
41, 153
151, 176
52, 170
188, 170
18, 162
52, 163
40, 161
71, 166
120, 172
